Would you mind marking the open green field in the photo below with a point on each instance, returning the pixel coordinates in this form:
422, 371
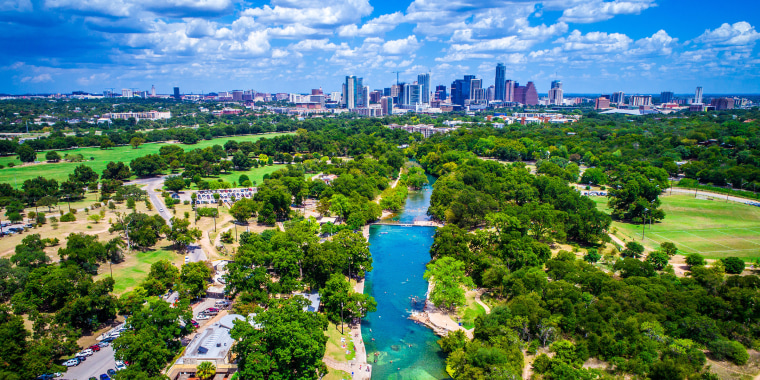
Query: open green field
713, 229
136, 267
60, 171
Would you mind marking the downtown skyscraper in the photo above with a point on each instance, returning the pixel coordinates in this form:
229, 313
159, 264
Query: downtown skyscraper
499, 83
424, 81
555, 93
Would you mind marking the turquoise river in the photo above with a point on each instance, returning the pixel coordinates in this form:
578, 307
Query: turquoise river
400, 348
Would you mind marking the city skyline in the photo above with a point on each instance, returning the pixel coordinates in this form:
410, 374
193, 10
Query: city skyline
592, 46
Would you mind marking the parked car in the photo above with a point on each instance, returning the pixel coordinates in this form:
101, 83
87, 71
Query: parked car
221, 303
47, 376
111, 372
95, 347
212, 310
103, 343
71, 363
81, 355
120, 365
202, 317
107, 340
103, 376
88, 352
194, 323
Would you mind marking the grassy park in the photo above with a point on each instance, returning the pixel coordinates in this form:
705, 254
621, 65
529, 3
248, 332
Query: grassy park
136, 266
60, 170
712, 228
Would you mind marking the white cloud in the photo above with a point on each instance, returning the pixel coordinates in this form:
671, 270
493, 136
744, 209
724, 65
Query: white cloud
402, 46
199, 28
595, 42
93, 79
37, 79
597, 10
660, 43
379, 25
311, 13
740, 33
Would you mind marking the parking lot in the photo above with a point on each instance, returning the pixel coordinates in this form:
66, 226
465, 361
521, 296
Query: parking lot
94, 365
225, 195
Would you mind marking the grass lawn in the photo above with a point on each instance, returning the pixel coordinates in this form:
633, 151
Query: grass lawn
255, 174
334, 347
335, 374
714, 229
136, 266
473, 310
60, 171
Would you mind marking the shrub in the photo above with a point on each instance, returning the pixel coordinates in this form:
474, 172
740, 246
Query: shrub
695, 259
592, 256
68, 217
734, 265
11, 164
729, 350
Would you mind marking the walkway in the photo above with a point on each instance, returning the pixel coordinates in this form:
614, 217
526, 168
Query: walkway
477, 299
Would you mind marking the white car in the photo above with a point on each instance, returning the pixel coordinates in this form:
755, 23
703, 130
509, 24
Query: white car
71, 363
88, 352
202, 317
161, 210
187, 259
120, 365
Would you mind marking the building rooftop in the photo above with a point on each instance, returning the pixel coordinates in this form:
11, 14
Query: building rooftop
311, 297
213, 344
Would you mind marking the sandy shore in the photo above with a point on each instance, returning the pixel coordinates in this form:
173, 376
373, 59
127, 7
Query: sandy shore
438, 320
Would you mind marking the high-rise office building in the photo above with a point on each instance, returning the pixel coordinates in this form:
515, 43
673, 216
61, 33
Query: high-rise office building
424, 81
387, 91
412, 94
152, 90
364, 97
499, 84
176, 93
126, 93
460, 90
602, 103
722, 104
509, 90
350, 92
617, 97
698, 96
386, 103
440, 92
527, 94
475, 86
555, 93
640, 100
491, 93
666, 97
237, 95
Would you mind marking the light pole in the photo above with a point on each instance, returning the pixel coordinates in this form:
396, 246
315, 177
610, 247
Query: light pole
341, 317
643, 225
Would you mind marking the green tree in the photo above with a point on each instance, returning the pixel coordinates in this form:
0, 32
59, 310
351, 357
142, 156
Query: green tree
165, 273
136, 142
26, 153
339, 300
52, 156
287, 343
174, 183
695, 259
669, 248
592, 256
632, 249
205, 370
449, 282
181, 234
195, 278
734, 265
658, 259
241, 161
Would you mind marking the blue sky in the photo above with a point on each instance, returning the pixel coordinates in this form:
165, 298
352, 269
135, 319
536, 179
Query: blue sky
593, 46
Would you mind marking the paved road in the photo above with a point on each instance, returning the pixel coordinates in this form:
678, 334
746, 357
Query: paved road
95, 365
153, 186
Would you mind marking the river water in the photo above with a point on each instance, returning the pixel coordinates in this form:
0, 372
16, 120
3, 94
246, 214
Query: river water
405, 350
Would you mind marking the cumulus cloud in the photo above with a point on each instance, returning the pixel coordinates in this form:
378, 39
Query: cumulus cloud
402, 46
311, 13
376, 26
740, 33
660, 43
597, 10
595, 42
